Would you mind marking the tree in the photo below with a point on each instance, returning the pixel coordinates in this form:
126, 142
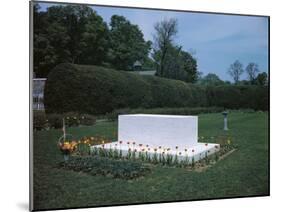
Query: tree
252, 69
171, 61
211, 79
72, 33
94, 41
166, 30
235, 71
261, 79
190, 67
127, 44
178, 64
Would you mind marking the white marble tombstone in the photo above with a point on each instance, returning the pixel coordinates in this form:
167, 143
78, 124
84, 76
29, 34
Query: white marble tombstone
159, 130
145, 132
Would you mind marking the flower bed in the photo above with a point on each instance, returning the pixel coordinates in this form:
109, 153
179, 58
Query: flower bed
90, 155
95, 165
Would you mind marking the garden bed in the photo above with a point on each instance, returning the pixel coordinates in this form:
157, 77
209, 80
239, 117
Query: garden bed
114, 163
95, 165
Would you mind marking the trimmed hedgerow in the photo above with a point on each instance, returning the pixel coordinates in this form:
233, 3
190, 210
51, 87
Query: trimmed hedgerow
236, 97
95, 165
171, 111
97, 90
93, 90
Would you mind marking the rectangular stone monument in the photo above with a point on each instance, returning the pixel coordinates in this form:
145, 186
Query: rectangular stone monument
171, 134
159, 130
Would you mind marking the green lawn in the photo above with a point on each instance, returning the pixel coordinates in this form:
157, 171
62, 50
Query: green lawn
243, 173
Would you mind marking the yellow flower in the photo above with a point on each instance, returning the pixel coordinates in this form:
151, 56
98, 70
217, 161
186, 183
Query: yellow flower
228, 141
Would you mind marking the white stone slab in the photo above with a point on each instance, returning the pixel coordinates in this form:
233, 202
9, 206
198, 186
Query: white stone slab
158, 130
174, 135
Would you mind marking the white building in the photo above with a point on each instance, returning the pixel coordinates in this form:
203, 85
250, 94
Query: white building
38, 93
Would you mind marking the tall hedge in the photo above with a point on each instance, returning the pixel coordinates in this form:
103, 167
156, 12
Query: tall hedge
98, 90
236, 97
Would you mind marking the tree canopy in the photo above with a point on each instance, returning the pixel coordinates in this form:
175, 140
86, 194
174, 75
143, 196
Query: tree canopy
211, 79
171, 61
127, 44
77, 34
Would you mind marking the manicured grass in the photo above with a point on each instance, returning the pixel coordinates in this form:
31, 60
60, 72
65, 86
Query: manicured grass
243, 173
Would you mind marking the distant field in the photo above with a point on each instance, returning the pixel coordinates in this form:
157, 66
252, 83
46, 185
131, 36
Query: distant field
243, 173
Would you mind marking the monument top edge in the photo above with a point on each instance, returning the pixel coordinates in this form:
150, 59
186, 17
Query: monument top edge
158, 115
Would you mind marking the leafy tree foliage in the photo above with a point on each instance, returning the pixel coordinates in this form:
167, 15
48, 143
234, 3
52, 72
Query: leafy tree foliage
261, 79
178, 64
77, 34
127, 44
211, 79
235, 71
74, 34
190, 67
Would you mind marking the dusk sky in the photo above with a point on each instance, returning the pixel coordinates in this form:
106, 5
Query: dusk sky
217, 40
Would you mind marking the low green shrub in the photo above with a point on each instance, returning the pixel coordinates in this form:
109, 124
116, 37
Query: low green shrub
45, 121
87, 120
55, 120
71, 119
39, 120
95, 165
